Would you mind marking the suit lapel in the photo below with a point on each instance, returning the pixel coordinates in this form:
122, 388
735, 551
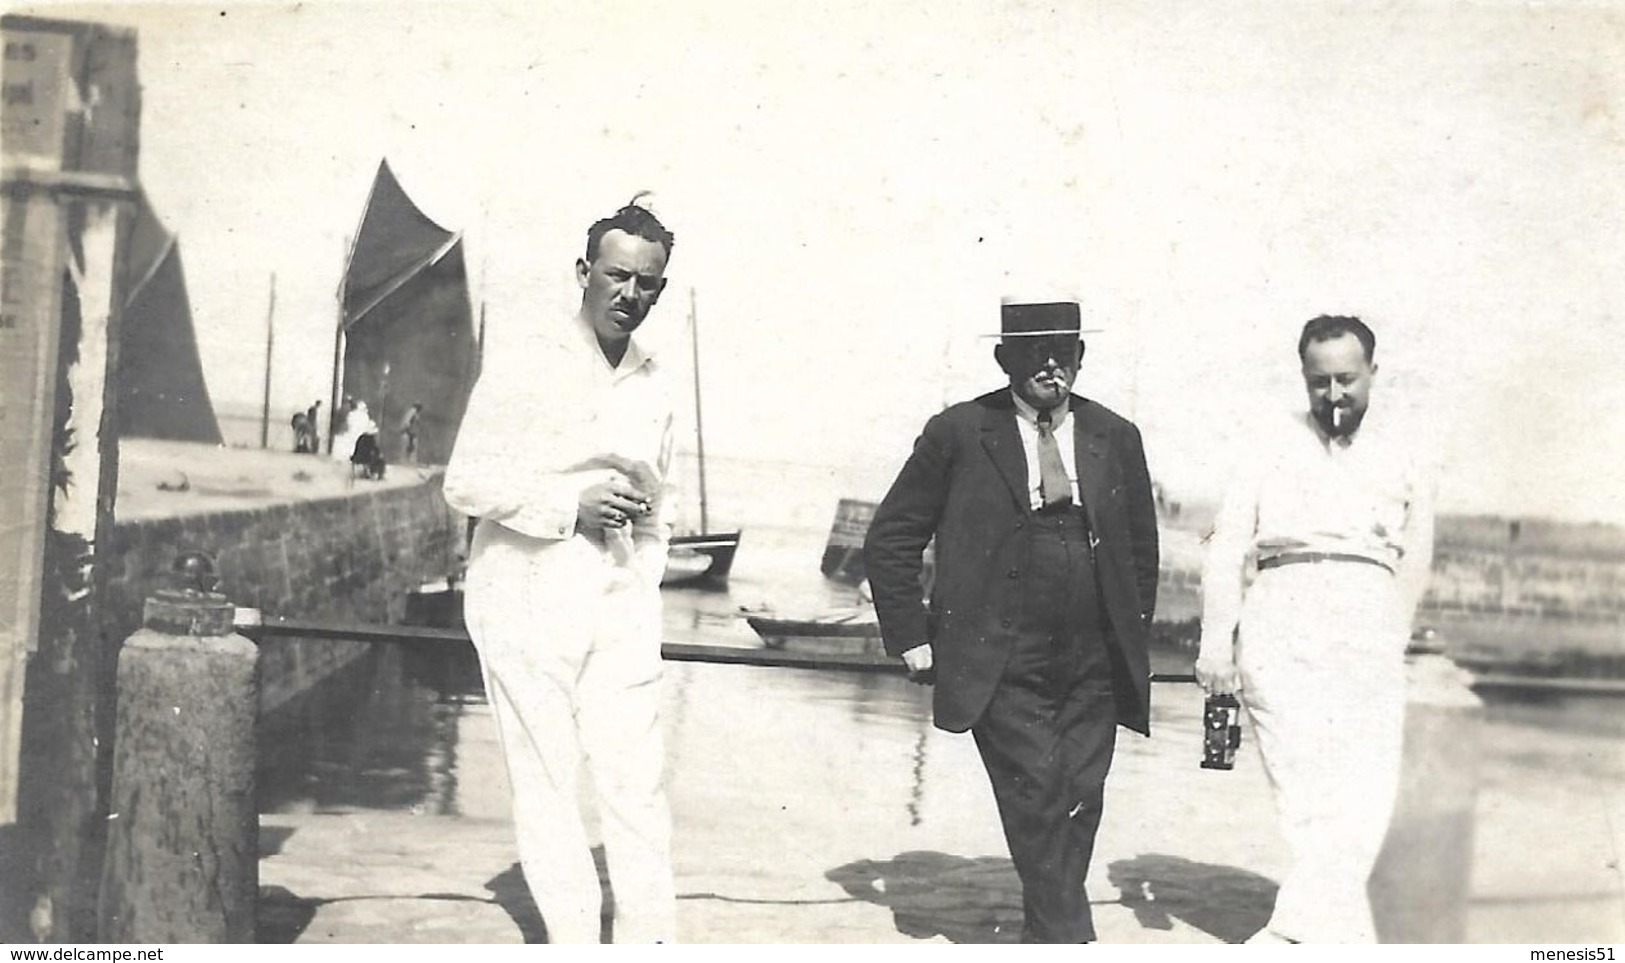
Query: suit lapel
1090, 453
1003, 445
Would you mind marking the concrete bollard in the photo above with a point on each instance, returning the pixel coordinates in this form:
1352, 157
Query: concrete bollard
1422, 882
182, 862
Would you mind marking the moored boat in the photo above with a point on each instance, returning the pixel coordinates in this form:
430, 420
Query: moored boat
854, 634
705, 557
700, 558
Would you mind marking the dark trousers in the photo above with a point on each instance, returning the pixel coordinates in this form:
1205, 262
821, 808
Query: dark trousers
1048, 734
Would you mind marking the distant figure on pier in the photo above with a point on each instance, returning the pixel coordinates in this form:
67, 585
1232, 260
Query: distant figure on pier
341, 418
358, 442
367, 457
313, 428
409, 428
1336, 508
563, 456
1046, 580
355, 422
301, 433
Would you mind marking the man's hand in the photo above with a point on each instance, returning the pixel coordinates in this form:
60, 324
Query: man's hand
920, 665
1218, 675
610, 504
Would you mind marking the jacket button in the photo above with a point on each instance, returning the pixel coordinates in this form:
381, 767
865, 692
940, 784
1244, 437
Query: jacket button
1005, 623
1014, 573
1018, 526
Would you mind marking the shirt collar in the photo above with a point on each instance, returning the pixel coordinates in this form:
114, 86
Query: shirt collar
636, 356
1027, 412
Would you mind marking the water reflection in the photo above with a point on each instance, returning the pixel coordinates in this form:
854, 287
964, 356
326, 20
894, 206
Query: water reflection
381, 733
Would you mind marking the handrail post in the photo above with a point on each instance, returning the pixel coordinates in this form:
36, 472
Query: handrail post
1422, 881
182, 861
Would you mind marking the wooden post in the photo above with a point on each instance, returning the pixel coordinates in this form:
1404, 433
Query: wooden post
30, 330
70, 118
334, 401
182, 860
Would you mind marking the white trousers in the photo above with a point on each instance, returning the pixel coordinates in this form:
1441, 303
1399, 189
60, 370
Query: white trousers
569, 646
1322, 659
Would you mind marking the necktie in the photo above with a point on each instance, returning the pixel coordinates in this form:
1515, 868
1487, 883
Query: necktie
1053, 486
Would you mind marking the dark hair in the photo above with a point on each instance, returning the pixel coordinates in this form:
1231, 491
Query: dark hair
634, 220
1330, 326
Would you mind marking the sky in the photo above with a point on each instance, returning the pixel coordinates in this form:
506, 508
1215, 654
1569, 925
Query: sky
855, 184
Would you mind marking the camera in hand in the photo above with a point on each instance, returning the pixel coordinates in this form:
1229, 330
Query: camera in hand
1221, 732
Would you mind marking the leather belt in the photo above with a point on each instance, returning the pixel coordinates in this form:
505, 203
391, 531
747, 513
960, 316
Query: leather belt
1311, 558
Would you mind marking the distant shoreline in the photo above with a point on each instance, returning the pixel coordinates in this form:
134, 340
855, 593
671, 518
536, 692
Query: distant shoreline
1545, 534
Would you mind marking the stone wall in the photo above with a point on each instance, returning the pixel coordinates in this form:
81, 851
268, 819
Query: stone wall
1522, 584
1486, 567
349, 558
1483, 565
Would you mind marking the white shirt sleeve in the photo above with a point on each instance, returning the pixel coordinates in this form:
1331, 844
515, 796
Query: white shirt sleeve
652, 538
482, 480
1223, 568
1416, 559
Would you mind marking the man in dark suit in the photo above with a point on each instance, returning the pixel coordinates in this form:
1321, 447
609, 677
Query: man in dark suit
1046, 579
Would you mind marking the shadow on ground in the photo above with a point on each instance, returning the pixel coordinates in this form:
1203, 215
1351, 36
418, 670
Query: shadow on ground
1225, 902
272, 838
510, 891
282, 915
17, 871
965, 899
285, 916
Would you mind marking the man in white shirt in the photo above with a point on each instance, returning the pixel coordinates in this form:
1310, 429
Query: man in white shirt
563, 456
1320, 555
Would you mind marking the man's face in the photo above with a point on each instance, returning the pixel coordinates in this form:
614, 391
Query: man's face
621, 284
1042, 368
1337, 376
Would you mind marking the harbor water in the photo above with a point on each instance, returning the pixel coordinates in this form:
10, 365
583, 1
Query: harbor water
406, 730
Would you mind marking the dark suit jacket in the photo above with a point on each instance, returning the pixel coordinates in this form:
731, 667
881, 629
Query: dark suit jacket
966, 484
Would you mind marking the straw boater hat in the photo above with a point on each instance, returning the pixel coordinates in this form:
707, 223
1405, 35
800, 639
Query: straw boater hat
1029, 319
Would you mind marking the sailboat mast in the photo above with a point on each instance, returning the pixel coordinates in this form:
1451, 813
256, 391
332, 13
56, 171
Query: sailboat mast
270, 341
338, 334
699, 427
479, 346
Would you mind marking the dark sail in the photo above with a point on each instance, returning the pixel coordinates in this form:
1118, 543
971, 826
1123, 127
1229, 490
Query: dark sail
161, 391
408, 325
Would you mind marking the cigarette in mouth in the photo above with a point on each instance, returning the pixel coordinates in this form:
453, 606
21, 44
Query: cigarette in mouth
1337, 418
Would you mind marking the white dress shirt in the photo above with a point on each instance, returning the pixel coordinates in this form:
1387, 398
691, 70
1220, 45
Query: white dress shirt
1369, 494
543, 420
1061, 428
